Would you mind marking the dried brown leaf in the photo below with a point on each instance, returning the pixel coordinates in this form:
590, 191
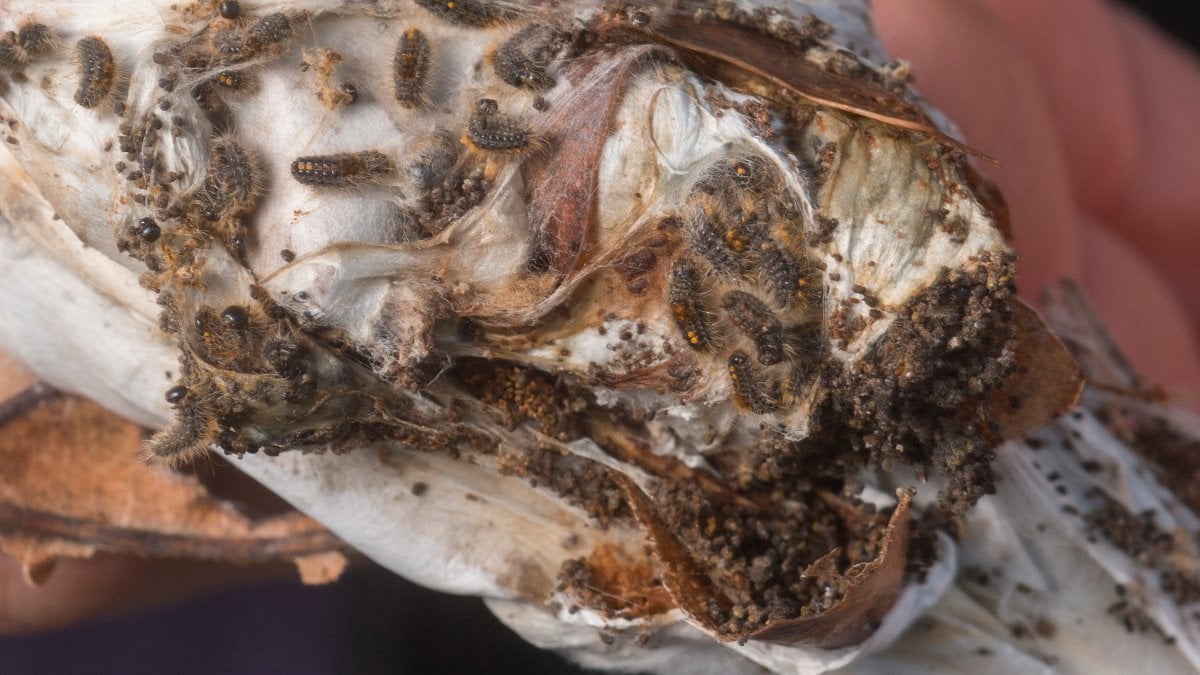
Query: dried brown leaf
1047, 381
14, 378
72, 483
874, 588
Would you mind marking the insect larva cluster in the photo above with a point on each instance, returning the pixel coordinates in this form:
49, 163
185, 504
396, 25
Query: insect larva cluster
30, 40
753, 290
248, 353
743, 293
345, 170
753, 318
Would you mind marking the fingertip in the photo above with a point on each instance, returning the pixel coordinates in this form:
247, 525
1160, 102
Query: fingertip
1143, 313
969, 67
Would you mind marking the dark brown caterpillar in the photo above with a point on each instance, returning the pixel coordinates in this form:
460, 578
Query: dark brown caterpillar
684, 299
97, 72
806, 345
228, 47
469, 13
232, 187
32, 39
522, 59
791, 281
267, 36
269, 33
190, 433
215, 110
492, 131
35, 38
717, 243
410, 68
12, 56
749, 391
344, 170
758, 322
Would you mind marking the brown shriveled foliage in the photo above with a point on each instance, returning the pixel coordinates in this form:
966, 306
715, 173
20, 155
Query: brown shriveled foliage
72, 483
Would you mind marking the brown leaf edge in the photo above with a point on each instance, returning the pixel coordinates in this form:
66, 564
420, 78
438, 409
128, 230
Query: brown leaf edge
1047, 383
733, 51
873, 590
72, 483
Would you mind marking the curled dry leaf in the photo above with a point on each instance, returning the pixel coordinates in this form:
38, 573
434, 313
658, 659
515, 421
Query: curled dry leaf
72, 483
627, 318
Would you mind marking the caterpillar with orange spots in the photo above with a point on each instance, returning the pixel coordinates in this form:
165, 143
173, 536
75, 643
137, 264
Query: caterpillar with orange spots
683, 298
410, 68
340, 171
97, 72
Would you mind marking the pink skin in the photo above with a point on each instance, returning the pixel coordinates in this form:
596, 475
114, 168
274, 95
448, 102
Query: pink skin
1093, 115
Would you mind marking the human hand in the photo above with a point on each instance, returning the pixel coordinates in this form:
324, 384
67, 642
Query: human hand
1091, 113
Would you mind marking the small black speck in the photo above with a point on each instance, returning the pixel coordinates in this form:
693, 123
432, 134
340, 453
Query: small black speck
175, 394
235, 316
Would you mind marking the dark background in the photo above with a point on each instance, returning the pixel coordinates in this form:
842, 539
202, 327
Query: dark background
1180, 18
369, 622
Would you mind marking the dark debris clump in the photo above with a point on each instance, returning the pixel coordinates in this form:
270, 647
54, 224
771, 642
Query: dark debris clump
922, 396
